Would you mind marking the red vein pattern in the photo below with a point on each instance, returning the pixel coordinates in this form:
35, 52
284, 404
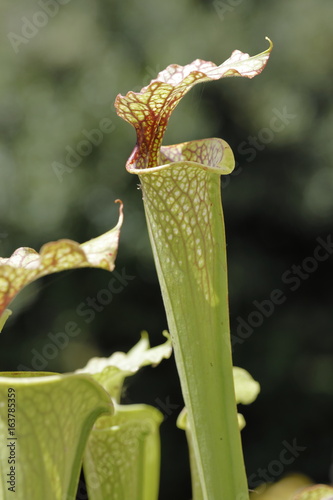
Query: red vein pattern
149, 110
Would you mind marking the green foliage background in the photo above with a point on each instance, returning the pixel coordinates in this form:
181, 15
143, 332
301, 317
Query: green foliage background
61, 81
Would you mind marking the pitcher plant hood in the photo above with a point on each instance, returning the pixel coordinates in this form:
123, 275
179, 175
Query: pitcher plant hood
149, 110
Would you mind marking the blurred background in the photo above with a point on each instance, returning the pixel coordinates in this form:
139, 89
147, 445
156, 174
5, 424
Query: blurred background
62, 156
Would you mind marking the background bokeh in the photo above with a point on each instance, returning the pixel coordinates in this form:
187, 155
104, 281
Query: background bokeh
62, 64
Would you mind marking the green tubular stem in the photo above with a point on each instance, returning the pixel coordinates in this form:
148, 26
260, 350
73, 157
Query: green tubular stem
185, 221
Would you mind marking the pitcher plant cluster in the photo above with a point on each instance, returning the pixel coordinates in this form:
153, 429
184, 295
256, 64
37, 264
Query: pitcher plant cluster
83, 421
